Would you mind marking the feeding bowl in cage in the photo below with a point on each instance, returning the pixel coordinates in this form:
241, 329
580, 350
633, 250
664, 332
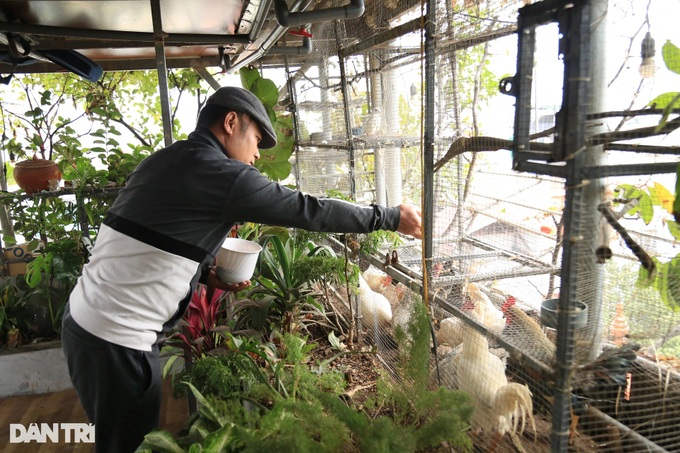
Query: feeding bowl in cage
549, 314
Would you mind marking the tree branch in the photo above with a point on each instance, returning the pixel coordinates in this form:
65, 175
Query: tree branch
642, 132
482, 143
133, 130
645, 260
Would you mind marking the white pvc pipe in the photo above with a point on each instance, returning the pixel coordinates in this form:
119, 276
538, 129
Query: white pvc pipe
391, 129
378, 153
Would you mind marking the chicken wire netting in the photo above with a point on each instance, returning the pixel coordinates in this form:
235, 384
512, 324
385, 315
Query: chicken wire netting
497, 237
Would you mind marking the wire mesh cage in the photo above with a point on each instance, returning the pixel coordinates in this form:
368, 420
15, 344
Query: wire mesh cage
544, 158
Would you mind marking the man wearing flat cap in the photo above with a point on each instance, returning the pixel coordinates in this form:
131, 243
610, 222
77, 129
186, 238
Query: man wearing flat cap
160, 239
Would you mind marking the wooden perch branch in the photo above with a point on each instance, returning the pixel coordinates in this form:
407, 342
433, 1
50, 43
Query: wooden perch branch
642, 132
475, 144
645, 260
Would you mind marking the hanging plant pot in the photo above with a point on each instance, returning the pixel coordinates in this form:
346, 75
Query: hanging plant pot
35, 175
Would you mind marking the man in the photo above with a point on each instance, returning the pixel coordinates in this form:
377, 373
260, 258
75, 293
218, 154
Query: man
159, 240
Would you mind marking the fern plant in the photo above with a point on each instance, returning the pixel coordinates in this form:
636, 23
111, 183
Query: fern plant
310, 417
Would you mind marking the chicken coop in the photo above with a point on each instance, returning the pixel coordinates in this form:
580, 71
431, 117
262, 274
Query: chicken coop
530, 135
539, 139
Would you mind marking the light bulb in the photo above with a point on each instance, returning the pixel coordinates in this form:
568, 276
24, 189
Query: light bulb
648, 65
647, 68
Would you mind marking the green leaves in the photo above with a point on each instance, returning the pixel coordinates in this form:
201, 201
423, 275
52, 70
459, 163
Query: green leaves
248, 76
665, 100
676, 202
645, 206
671, 56
161, 442
666, 281
671, 100
266, 91
273, 162
653, 200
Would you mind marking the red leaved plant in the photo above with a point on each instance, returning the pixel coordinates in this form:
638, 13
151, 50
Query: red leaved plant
200, 319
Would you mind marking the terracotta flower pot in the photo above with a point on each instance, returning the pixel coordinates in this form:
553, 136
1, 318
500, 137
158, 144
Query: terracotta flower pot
35, 175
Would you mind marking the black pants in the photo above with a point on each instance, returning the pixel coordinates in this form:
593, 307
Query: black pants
119, 387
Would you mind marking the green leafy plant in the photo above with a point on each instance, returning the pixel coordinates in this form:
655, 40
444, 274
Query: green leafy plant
305, 413
286, 272
651, 201
41, 219
273, 162
13, 315
52, 275
431, 417
670, 100
43, 125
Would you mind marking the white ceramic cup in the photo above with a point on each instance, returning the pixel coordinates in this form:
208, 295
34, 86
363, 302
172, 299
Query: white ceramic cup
236, 260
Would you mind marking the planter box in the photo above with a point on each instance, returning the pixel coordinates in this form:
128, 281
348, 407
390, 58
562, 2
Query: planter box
33, 369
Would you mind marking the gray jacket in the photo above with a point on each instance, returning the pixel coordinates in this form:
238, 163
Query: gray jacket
167, 225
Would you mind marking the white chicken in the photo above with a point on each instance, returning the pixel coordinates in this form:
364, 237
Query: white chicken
451, 329
402, 306
500, 407
373, 306
450, 332
492, 317
377, 280
395, 294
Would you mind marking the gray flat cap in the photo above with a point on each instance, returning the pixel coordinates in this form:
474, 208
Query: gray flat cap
240, 100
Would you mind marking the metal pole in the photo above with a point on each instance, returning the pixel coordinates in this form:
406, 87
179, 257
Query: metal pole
348, 116
162, 69
429, 145
575, 30
591, 274
292, 108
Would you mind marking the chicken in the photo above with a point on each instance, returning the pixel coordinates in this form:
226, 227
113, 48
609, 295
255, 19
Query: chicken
451, 329
450, 332
500, 407
608, 369
377, 280
403, 308
373, 306
526, 333
492, 318
395, 294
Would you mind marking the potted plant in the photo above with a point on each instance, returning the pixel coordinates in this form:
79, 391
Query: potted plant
13, 314
42, 126
50, 278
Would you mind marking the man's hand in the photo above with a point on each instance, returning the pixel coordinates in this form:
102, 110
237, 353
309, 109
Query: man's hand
410, 221
214, 281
